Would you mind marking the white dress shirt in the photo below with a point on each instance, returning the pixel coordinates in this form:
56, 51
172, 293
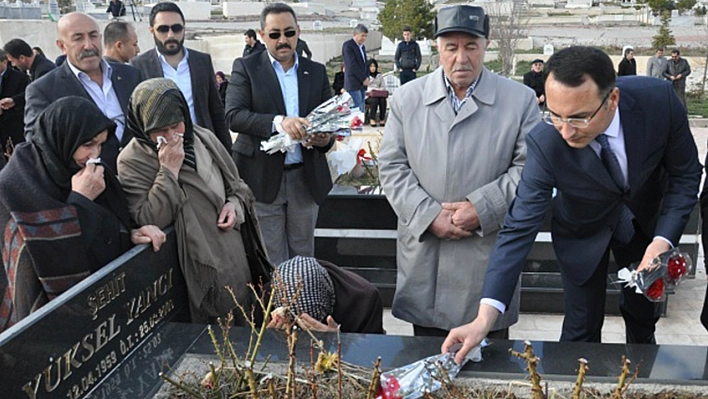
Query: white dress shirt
183, 77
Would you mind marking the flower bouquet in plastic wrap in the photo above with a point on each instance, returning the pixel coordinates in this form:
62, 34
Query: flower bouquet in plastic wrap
424, 376
664, 274
332, 116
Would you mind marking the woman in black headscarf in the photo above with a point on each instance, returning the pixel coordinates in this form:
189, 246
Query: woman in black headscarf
64, 215
176, 172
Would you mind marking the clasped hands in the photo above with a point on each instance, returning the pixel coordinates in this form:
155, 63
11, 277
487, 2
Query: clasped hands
455, 221
305, 321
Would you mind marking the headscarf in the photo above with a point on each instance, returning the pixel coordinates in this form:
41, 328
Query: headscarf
61, 129
306, 278
157, 103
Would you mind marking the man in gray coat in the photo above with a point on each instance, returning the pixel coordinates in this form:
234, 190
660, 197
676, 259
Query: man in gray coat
655, 65
676, 70
450, 161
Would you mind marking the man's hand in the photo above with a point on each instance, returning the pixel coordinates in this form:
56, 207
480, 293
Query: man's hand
318, 140
227, 218
541, 98
89, 181
657, 247
365, 82
171, 154
470, 335
7, 103
295, 127
149, 234
464, 216
443, 228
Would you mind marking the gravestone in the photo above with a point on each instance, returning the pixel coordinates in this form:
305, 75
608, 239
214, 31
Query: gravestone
548, 49
317, 25
353, 23
69, 346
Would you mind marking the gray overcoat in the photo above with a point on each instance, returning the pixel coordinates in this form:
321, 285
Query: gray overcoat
428, 156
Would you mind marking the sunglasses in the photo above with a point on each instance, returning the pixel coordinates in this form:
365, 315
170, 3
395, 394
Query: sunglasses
176, 28
276, 35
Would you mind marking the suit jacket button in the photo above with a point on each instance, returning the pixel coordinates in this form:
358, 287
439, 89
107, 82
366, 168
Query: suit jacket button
109, 241
120, 149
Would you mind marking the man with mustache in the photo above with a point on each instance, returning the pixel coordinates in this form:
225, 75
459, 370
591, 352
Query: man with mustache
271, 92
190, 69
85, 74
449, 163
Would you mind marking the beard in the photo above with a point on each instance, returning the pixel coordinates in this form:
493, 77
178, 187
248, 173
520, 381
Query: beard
162, 47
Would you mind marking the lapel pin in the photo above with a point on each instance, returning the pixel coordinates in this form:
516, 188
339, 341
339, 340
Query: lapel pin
119, 78
306, 73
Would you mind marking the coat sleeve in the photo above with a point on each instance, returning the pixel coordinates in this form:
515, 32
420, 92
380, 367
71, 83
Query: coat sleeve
684, 172
493, 199
415, 208
418, 57
650, 67
153, 193
19, 98
397, 57
521, 226
240, 102
35, 102
216, 108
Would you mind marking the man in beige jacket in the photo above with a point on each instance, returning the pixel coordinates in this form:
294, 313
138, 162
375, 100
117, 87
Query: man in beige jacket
450, 161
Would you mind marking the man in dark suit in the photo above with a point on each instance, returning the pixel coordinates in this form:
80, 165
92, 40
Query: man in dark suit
190, 69
356, 76
288, 186
85, 74
625, 166
12, 103
21, 56
253, 45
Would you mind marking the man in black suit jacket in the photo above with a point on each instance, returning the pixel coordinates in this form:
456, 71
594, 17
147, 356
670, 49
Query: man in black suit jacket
253, 45
356, 75
85, 74
21, 55
191, 70
288, 187
650, 142
12, 103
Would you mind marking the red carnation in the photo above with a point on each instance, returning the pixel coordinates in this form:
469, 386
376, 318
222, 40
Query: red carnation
391, 389
656, 290
677, 268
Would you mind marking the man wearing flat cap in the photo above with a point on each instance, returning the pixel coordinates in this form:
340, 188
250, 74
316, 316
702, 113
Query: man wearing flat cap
535, 80
450, 161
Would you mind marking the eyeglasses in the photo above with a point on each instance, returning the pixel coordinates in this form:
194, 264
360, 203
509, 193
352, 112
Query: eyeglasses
556, 120
176, 28
287, 33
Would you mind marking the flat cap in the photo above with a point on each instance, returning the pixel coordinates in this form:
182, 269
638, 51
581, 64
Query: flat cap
536, 61
462, 18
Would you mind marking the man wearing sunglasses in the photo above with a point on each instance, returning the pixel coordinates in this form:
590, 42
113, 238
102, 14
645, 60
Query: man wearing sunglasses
622, 158
272, 92
190, 69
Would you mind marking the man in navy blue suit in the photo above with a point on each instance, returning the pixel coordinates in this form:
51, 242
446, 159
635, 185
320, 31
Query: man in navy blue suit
356, 75
625, 166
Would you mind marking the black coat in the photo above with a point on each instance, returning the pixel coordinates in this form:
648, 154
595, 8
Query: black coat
252, 101
208, 107
627, 67
535, 81
257, 48
12, 124
40, 67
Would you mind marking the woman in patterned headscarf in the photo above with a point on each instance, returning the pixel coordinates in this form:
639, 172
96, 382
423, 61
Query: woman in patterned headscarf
64, 217
175, 172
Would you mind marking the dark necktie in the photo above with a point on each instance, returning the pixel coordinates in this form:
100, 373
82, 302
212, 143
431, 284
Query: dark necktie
624, 230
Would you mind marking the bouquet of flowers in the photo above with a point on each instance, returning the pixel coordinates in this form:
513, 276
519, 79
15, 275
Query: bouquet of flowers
332, 116
424, 376
665, 273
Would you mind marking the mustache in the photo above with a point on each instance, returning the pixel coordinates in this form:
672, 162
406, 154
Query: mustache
466, 68
284, 45
88, 53
171, 41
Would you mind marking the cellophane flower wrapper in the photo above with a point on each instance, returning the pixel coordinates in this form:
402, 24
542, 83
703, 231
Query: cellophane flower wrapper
424, 376
333, 116
665, 273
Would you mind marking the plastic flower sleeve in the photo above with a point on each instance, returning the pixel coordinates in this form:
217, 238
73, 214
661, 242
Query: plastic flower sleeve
666, 272
333, 116
424, 376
